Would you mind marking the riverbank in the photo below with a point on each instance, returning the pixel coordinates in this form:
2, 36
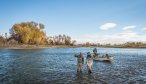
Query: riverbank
23, 46
121, 47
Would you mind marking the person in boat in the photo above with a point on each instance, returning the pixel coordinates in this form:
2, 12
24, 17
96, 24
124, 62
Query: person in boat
89, 62
80, 62
95, 52
107, 56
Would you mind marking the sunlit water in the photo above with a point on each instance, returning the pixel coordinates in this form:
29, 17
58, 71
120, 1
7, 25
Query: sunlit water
58, 65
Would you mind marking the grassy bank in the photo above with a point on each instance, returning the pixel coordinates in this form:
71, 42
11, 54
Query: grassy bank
24, 46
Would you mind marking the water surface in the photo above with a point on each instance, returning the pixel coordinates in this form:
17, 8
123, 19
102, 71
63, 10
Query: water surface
58, 65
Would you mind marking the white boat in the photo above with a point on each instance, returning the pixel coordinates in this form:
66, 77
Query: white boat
103, 58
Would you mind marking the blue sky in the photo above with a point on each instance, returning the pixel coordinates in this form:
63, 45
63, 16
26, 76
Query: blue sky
103, 21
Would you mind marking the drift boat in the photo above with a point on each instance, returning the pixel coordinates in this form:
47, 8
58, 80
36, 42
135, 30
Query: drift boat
103, 58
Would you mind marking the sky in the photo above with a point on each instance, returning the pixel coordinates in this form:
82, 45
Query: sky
98, 21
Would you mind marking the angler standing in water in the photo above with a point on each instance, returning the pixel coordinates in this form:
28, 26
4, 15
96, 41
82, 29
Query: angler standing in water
89, 62
80, 62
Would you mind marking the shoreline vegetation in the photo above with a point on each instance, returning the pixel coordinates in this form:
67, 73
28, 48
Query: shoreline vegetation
45, 47
26, 46
30, 35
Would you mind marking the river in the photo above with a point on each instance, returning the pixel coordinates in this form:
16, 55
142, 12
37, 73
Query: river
58, 66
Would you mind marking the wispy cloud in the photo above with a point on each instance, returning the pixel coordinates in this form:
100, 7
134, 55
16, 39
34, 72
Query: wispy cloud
127, 35
121, 37
143, 29
129, 27
107, 26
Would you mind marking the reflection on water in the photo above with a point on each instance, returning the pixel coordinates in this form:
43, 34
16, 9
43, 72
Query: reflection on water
54, 65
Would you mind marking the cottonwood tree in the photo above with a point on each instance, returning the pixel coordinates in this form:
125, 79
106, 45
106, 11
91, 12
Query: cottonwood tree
28, 33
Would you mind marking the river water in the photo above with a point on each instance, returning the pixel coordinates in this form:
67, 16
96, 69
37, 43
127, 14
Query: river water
58, 66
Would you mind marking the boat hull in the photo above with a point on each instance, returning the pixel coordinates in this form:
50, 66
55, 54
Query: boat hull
103, 58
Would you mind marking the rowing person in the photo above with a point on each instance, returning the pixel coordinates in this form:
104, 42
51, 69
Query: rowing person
89, 62
95, 52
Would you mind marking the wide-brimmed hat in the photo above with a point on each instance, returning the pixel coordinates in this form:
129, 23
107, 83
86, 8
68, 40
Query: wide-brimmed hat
88, 53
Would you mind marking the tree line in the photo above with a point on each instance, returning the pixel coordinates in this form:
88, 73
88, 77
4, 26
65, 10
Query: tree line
61, 40
32, 33
124, 45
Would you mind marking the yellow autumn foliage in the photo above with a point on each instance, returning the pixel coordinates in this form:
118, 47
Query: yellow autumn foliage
28, 33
